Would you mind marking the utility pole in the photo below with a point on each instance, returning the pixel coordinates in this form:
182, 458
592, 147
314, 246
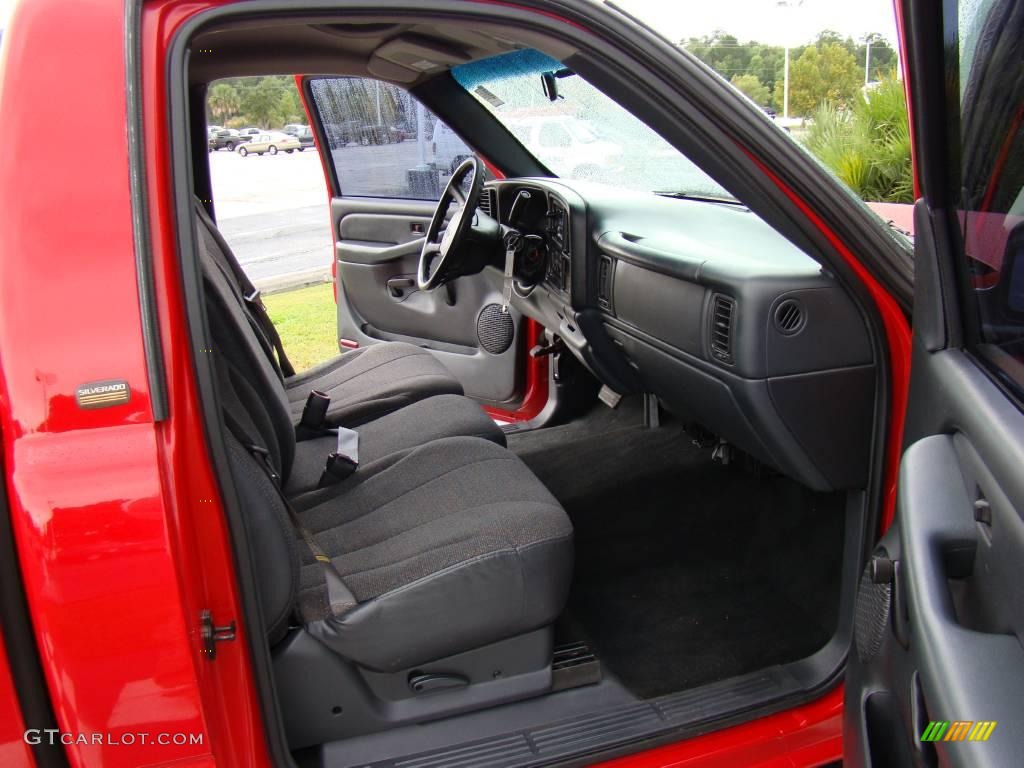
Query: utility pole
867, 60
789, 5
785, 85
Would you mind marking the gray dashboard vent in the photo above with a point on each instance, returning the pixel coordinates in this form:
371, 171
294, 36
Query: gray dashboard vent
723, 311
789, 317
605, 271
486, 203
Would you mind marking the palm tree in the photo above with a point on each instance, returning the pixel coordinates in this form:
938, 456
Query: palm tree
223, 101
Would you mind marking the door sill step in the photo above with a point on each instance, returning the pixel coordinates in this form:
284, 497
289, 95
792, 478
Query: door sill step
601, 730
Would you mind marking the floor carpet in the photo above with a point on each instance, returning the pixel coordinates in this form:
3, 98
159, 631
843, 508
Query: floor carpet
687, 571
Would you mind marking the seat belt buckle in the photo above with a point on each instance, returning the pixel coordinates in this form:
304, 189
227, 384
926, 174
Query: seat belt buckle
343, 461
314, 415
338, 468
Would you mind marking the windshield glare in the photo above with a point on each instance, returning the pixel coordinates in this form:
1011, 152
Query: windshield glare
583, 134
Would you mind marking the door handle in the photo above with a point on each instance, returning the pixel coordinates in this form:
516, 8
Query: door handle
398, 287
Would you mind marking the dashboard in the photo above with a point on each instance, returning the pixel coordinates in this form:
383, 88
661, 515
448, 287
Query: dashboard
706, 306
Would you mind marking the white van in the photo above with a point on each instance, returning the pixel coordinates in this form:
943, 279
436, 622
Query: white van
447, 150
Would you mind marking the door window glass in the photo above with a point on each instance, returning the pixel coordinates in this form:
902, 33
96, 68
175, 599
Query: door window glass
991, 37
384, 143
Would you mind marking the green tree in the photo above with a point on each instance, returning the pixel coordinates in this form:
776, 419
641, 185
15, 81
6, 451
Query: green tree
730, 58
827, 75
754, 89
261, 101
883, 57
831, 37
289, 108
223, 102
868, 146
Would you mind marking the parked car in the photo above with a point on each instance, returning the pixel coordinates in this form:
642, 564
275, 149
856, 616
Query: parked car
306, 139
716, 474
271, 143
226, 138
342, 132
378, 134
294, 129
568, 145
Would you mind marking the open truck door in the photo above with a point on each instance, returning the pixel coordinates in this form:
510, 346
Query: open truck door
936, 674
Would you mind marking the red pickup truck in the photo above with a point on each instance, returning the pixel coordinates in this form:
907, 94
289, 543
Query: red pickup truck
647, 444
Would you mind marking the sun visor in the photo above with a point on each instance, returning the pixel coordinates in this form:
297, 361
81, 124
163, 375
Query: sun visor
407, 57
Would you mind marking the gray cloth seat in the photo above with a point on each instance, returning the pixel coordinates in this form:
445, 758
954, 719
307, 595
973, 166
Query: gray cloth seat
414, 425
259, 382
447, 547
372, 381
363, 384
444, 547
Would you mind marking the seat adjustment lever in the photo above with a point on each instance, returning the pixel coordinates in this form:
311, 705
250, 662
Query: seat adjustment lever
425, 682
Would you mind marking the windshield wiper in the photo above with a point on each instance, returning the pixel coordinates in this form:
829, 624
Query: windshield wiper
679, 195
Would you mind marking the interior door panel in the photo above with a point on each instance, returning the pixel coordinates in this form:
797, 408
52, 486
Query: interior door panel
936, 677
940, 614
377, 248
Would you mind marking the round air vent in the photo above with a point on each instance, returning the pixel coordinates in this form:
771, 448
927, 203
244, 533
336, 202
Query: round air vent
790, 317
495, 329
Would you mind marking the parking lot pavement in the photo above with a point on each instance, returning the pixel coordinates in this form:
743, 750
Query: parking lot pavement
258, 184
274, 212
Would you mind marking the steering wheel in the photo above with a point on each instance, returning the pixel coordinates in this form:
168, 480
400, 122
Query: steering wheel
438, 258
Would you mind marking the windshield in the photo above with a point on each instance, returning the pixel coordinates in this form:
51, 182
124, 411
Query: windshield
581, 134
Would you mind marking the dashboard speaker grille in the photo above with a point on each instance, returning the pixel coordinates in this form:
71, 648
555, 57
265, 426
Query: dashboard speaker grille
486, 203
723, 311
789, 317
495, 329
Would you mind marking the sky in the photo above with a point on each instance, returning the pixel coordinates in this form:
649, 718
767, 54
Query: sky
764, 20
761, 20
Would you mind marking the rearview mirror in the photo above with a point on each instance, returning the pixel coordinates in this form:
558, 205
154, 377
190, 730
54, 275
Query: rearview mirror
550, 85
549, 82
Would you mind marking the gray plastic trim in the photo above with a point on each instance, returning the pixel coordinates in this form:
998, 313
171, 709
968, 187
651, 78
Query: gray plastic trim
586, 734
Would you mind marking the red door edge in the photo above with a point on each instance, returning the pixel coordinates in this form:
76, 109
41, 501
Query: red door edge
13, 747
227, 687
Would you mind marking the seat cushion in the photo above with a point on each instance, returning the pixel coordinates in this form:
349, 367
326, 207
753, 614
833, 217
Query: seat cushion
447, 547
412, 426
372, 381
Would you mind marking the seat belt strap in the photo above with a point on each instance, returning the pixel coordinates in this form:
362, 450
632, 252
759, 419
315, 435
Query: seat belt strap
339, 596
250, 296
255, 304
